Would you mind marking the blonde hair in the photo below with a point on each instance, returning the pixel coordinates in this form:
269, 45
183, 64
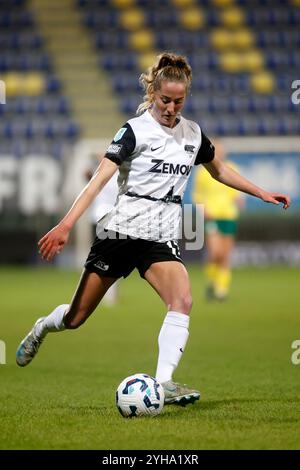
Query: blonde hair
169, 66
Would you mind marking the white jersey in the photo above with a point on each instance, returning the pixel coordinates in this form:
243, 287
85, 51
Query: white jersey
155, 164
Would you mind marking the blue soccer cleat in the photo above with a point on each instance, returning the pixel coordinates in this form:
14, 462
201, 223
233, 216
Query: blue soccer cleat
29, 346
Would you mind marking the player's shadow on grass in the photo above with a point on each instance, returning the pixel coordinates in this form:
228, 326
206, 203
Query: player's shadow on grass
237, 408
211, 404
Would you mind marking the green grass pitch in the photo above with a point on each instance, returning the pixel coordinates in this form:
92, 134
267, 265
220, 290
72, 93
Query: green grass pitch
238, 356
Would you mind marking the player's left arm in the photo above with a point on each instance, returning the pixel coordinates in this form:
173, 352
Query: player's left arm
226, 175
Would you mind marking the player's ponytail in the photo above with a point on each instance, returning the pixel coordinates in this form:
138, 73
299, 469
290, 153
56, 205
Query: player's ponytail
169, 66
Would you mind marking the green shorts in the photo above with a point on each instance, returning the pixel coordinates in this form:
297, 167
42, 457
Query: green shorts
225, 227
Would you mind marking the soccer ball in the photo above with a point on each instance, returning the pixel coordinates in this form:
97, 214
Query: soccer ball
140, 395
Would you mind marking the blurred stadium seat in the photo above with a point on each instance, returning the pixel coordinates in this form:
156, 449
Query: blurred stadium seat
36, 113
237, 49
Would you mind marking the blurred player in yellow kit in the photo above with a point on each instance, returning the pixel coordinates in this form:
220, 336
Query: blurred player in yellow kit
221, 210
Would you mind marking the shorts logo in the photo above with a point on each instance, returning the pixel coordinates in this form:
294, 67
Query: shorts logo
119, 134
114, 149
101, 265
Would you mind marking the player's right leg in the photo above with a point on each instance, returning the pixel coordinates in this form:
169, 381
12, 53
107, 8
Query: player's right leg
170, 280
90, 290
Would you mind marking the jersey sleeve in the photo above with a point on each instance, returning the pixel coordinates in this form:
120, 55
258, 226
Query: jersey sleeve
122, 146
206, 151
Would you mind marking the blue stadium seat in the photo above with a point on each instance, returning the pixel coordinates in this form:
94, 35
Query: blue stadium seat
161, 18
102, 19
53, 84
16, 19
181, 40
84, 3
120, 61
129, 104
225, 125
5, 4
111, 40
212, 18
153, 3
203, 60
125, 83
202, 82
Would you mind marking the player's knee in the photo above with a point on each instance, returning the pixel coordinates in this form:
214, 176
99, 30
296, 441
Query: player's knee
182, 304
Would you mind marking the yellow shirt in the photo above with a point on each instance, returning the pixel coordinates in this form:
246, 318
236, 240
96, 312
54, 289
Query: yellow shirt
220, 201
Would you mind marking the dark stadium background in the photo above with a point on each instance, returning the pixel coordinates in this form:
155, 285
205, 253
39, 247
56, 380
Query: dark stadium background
68, 81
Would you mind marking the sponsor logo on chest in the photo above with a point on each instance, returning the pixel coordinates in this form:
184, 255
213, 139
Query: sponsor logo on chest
160, 166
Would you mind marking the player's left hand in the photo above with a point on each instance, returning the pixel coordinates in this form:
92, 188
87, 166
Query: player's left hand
277, 198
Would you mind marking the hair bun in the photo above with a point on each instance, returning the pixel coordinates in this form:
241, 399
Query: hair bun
180, 63
165, 61
168, 59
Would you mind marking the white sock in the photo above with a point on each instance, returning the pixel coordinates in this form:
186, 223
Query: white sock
172, 339
53, 322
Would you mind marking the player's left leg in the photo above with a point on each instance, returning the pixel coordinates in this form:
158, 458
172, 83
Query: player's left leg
90, 290
170, 280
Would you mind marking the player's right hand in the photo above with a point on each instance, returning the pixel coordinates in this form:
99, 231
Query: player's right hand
53, 242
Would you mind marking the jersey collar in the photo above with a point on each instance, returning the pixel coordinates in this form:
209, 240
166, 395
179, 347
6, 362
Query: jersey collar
169, 130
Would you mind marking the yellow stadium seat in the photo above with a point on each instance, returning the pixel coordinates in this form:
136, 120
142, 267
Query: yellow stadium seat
123, 3
252, 60
192, 18
183, 3
296, 3
33, 84
142, 40
242, 39
232, 17
146, 60
231, 62
263, 82
13, 82
223, 3
221, 39
132, 19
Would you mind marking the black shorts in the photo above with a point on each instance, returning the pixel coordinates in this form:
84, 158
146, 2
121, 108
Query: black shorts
116, 256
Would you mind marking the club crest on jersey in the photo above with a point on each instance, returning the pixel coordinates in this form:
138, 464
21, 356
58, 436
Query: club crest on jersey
119, 134
190, 149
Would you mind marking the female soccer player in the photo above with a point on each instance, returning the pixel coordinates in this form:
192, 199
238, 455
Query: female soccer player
154, 154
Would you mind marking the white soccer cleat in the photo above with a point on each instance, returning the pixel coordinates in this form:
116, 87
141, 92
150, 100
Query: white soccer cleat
177, 394
29, 346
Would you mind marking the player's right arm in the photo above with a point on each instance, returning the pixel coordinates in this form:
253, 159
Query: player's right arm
54, 241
